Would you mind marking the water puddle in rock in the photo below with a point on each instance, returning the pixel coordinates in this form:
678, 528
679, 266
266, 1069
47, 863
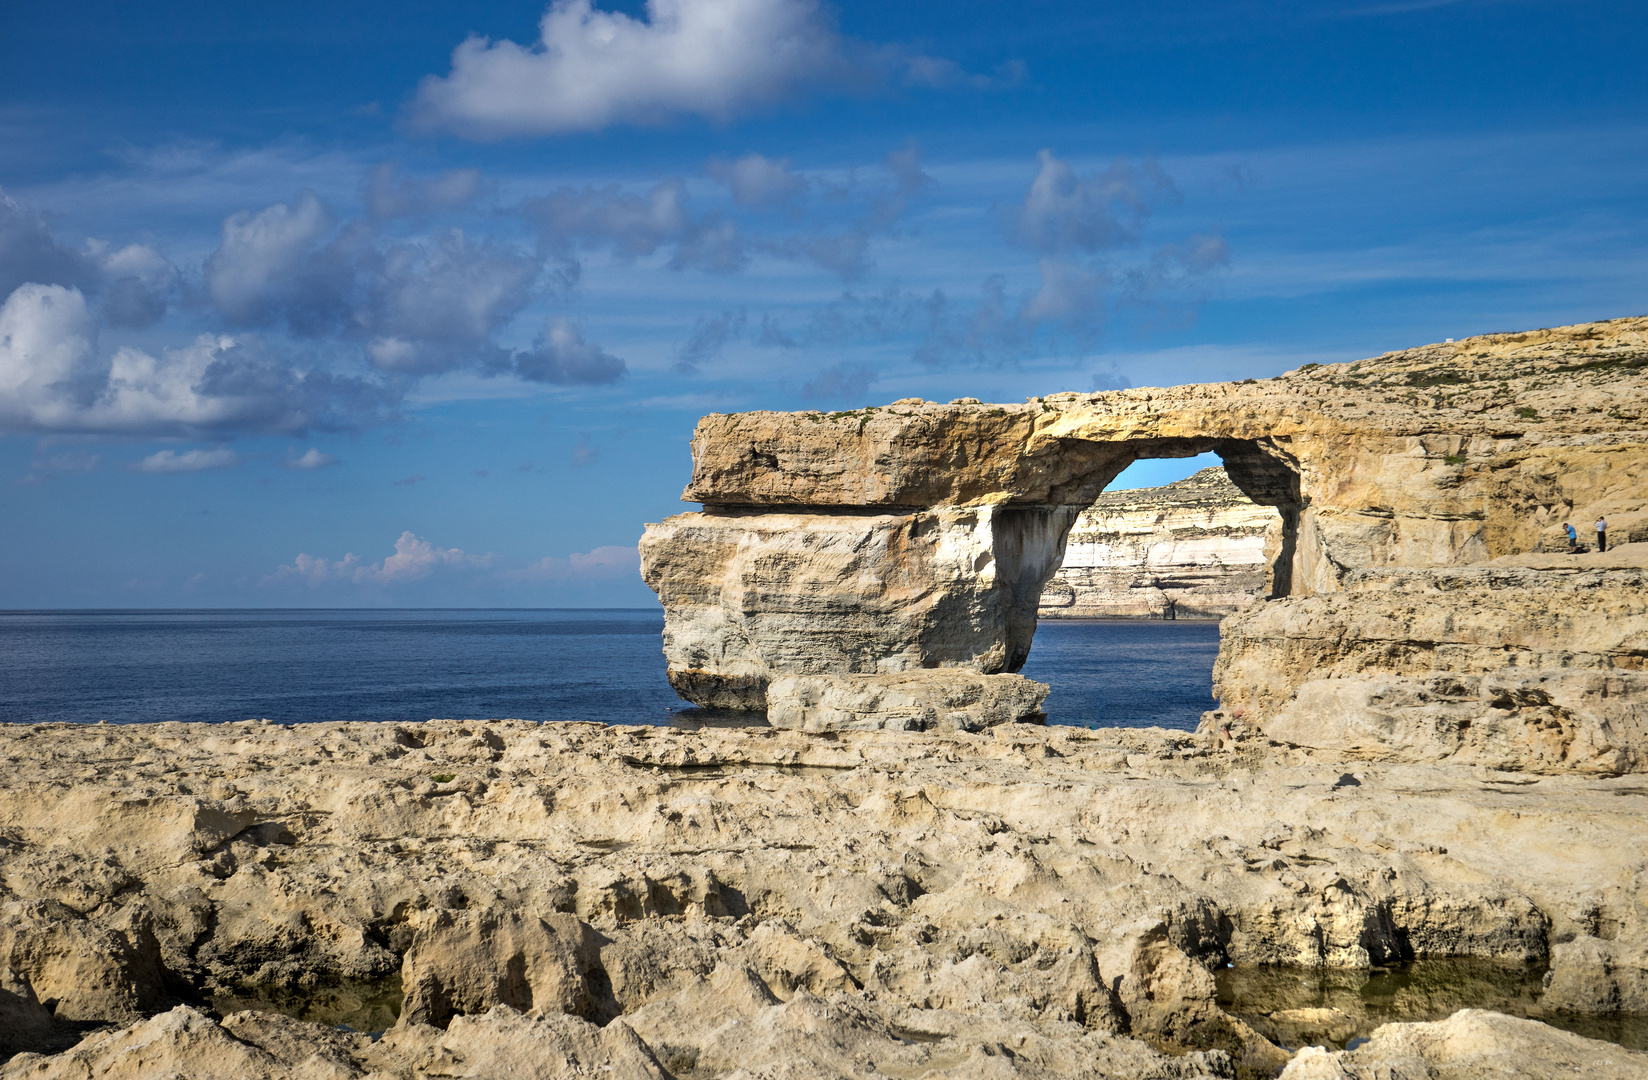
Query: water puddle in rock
1296, 1007
369, 1005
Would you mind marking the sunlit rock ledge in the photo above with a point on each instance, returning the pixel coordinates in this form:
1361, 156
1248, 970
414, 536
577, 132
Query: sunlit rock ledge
860, 547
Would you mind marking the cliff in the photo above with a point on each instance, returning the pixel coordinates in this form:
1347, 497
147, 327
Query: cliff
1193, 549
884, 567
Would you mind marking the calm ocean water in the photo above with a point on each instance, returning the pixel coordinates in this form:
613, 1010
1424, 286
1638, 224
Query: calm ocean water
604, 665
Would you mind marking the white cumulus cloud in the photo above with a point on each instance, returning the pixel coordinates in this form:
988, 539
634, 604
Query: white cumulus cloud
48, 350
52, 378
414, 559
169, 461
562, 356
310, 460
259, 253
416, 308
140, 282
591, 68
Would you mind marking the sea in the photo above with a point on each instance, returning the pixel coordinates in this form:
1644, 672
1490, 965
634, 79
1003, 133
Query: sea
604, 665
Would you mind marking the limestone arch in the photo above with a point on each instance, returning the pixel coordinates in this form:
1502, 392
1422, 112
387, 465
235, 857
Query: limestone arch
887, 584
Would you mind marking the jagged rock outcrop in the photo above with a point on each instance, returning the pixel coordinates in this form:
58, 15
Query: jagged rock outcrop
849, 904
1193, 549
921, 536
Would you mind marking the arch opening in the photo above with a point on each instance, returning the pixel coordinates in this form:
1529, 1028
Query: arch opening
1032, 541
1197, 548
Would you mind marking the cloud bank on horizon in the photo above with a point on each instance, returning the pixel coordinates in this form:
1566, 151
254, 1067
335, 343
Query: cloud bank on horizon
416, 559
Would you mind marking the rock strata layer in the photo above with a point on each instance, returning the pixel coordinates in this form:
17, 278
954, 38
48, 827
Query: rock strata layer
569, 899
921, 537
1194, 549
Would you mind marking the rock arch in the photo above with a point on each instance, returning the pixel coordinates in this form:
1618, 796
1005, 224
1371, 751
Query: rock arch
755, 594
881, 567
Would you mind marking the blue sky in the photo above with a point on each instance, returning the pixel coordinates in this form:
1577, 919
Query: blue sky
321, 304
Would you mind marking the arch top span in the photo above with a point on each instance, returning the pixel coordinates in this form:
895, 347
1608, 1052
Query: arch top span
882, 565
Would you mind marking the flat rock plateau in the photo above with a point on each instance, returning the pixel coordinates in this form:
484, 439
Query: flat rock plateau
1428, 748
566, 900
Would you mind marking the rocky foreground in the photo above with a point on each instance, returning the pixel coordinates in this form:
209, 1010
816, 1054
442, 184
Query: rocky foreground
564, 900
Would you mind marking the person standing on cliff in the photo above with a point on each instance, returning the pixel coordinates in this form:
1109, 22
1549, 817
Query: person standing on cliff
1602, 533
1573, 537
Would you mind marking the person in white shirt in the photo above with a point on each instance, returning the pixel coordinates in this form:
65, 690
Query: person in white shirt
1602, 533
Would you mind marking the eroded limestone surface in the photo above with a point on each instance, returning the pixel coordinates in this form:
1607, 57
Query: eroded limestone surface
1023, 901
920, 536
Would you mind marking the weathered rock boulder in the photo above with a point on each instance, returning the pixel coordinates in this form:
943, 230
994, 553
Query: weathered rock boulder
921, 536
957, 700
464, 963
1510, 667
79, 969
